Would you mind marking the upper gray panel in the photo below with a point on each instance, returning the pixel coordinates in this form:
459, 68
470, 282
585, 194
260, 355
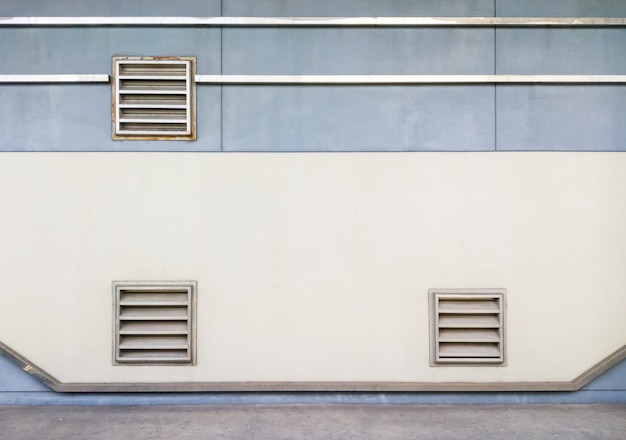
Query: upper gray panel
568, 118
561, 8
357, 51
362, 118
561, 51
109, 8
89, 50
359, 8
78, 118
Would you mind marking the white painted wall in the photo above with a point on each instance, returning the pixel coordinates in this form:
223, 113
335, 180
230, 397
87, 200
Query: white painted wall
314, 267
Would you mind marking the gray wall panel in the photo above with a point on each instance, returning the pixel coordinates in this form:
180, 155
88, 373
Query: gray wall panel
574, 118
12, 379
561, 8
561, 51
89, 50
78, 118
614, 379
327, 8
358, 51
319, 118
71, 8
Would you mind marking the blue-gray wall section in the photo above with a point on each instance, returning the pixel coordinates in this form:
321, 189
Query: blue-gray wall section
359, 8
565, 51
568, 118
13, 379
561, 8
362, 118
110, 8
326, 118
341, 51
78, 118
19, 388
89, 50
565, 118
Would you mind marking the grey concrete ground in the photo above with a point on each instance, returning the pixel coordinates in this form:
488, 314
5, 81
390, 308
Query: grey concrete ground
380, 422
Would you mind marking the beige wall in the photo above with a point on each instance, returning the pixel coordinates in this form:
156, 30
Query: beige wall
315, 267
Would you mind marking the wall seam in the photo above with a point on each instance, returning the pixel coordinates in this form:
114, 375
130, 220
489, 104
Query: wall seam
221, 73
495, 72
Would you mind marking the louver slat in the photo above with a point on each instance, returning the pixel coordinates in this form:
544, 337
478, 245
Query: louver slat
467, 326
154, 328
154, 324
154, 98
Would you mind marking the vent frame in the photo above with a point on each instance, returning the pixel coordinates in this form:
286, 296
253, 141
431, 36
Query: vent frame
160, 313
173, 120
480, 332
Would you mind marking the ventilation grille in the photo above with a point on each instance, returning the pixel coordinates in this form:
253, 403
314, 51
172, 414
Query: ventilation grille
154, 322
153, 98
467, 326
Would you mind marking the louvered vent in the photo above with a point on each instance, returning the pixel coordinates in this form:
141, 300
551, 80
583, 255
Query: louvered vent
153, 98
154, 322
467, 326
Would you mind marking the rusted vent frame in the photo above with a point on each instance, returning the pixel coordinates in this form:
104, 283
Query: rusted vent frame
154, 322
164, 123
467, 327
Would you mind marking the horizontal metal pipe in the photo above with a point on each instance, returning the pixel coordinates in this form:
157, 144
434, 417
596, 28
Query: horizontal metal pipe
408, 79
340, 79
317, 21
42, 79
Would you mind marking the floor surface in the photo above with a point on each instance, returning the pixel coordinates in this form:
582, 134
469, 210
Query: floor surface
311, 422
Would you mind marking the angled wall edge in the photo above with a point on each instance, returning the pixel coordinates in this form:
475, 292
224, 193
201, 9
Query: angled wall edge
579, 382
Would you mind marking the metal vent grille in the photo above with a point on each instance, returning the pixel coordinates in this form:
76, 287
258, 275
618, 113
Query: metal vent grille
154, 322
154, 98
467, 326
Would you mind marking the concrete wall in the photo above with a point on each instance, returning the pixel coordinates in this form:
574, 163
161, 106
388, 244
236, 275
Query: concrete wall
316, 266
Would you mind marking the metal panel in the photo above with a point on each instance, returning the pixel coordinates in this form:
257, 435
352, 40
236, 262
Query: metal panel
377, 8
561, 51
367, 118
63, 117
561, 8
559, 118
314, 51
109, 8
81, 51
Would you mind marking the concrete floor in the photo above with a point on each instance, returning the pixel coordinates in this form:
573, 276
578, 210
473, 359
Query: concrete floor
310, 422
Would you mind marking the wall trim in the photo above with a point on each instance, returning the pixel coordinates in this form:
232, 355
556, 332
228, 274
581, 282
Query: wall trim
56, 385
316, 21
339, 79
45, 79
407, 79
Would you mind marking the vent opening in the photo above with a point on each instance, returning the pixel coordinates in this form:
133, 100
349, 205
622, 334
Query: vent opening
154, 98
467, 326
154, 322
